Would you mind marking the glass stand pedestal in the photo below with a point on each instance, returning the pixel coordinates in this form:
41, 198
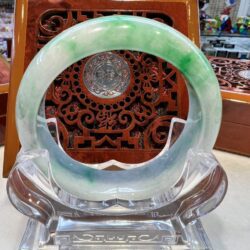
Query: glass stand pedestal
176, 225
67, 234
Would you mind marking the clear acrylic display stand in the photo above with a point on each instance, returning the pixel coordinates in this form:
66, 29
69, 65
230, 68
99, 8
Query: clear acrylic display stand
58, 221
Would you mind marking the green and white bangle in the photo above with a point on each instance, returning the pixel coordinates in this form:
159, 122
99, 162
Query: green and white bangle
120, 33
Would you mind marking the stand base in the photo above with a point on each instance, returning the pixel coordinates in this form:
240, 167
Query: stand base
173, 226
68, 234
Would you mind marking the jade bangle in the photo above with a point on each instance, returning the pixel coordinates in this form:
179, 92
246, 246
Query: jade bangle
120, 33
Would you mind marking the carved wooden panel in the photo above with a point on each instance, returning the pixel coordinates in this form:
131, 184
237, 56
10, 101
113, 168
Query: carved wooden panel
138, 119
233, 75
234, 79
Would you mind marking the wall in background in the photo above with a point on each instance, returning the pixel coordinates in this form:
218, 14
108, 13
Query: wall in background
244, 8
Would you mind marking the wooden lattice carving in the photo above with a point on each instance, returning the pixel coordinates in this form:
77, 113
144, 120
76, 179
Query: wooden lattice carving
93, 129
233, 75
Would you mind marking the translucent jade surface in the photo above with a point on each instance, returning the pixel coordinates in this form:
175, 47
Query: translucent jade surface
144, 180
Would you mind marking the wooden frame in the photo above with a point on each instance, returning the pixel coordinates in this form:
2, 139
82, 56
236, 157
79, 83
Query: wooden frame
11, 139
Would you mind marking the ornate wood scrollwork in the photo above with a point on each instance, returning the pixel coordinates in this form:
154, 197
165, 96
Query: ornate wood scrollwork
233, 74
133, 121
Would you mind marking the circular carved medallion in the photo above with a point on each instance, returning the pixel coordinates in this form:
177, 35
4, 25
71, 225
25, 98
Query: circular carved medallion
106, 75
244, 74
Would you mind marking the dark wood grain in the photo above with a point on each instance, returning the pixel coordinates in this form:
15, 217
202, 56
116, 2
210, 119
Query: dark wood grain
234, 134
